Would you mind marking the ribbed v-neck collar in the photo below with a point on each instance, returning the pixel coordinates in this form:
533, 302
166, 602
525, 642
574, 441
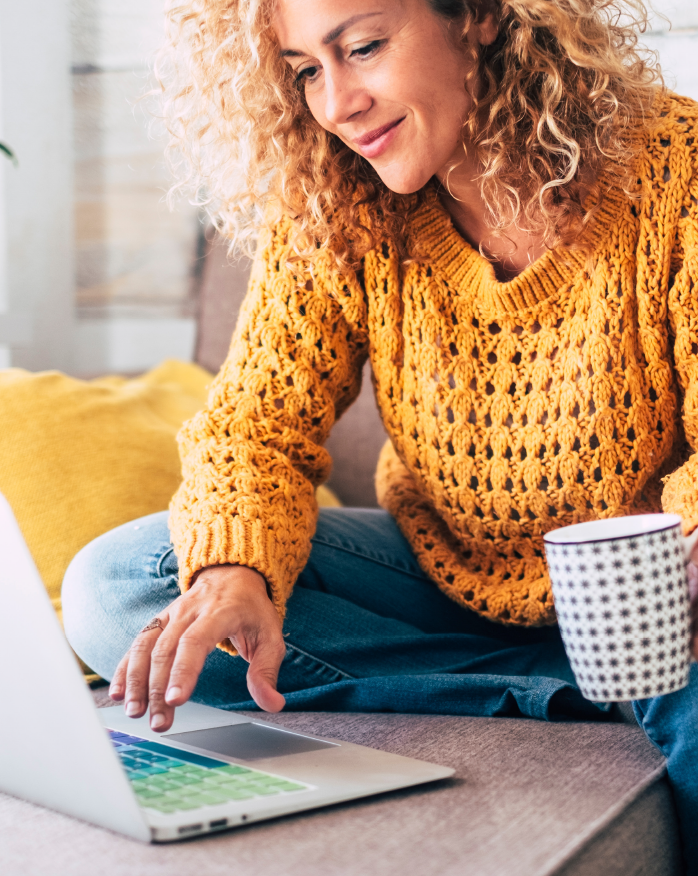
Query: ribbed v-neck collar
468, 271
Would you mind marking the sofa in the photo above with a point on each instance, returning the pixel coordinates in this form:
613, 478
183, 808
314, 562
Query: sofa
528, 798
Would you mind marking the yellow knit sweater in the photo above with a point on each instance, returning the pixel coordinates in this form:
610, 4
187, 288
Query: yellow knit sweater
512, 408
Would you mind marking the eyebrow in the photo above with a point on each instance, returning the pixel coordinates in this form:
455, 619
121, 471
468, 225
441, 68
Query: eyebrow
333, 34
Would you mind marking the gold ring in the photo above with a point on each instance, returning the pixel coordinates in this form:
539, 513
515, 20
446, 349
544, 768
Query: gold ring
154, 624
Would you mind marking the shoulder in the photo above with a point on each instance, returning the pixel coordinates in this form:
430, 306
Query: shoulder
281, 272
668, 159
276, 260
274, 240
676, 110
673, 132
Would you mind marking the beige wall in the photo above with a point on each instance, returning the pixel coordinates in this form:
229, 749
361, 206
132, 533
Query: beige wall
36, 196
134, 257
676, 40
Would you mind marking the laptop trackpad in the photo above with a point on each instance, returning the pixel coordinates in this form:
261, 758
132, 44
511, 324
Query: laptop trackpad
249, 741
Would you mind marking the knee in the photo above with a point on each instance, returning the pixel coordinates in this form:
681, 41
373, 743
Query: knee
80, 594
101, 587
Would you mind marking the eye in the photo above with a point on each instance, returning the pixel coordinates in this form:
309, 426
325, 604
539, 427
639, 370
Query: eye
367, 50
307, 74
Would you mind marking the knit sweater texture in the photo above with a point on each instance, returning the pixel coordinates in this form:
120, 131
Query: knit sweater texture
569, 393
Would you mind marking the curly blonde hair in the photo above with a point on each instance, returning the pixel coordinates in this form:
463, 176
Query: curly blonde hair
563, 90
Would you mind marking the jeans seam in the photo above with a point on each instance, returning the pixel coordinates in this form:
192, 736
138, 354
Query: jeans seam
319, 660
366, 556
161, 560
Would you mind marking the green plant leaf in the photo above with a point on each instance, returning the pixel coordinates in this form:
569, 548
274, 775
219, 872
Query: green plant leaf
9, 153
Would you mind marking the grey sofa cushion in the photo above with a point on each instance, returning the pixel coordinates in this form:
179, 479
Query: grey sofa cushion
527, 798
356, 438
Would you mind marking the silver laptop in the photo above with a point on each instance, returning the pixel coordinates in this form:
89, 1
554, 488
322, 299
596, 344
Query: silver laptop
211, 771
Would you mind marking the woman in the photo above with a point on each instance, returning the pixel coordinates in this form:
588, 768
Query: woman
498, 204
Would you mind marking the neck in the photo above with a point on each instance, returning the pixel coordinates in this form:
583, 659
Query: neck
509, 252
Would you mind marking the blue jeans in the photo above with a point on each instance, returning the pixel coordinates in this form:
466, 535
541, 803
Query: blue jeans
366, 631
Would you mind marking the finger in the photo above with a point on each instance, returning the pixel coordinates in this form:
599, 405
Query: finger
118, 682
138, 671
263, 674
193, 648
161, 662
692, 571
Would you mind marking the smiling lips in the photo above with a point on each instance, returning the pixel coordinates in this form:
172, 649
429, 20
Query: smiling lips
374, 143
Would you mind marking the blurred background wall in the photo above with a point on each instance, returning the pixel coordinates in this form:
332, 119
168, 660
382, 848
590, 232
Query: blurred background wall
36, 197
133, 257
675, 36
96, 274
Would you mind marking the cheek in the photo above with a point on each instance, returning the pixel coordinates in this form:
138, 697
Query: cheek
316, 107
439, 122
447, 132
437, 98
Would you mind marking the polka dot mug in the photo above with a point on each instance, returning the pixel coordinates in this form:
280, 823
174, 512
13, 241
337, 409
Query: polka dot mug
621, 595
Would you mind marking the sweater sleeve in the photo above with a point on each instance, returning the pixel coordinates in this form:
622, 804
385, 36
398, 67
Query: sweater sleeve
680, 494
252, 458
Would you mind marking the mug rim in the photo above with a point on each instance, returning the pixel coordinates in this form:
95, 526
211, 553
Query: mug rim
571, 539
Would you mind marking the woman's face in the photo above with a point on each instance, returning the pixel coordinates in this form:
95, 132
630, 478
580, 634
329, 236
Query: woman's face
386, 77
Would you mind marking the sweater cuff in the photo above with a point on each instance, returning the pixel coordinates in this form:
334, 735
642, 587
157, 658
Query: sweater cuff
235, 541
679, 495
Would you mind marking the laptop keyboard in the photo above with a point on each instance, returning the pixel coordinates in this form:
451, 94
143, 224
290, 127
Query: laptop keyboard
170, 780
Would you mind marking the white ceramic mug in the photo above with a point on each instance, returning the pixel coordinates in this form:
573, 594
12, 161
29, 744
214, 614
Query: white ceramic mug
621, 595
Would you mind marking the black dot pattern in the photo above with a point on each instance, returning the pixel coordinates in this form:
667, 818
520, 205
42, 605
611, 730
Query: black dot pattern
624, 614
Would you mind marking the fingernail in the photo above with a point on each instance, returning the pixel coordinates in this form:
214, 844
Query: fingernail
115, 690
173, 693
157, 721
132, 708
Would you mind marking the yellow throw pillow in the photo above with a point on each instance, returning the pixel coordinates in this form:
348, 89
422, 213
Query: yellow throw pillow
78, 458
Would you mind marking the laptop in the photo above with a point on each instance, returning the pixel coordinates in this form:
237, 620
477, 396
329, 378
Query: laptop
213, 770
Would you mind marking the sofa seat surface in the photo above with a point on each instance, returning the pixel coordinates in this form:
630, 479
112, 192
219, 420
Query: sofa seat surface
527, 798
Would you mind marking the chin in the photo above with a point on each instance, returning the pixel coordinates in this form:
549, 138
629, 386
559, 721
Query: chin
404, 183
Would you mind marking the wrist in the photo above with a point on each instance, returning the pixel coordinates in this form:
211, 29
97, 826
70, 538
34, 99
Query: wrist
235, 575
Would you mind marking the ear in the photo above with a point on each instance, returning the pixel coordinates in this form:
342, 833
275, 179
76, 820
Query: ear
486, 31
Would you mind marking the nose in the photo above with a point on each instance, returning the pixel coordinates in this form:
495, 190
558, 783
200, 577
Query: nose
345, 95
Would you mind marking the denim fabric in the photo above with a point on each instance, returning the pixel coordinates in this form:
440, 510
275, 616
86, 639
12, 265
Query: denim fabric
365, 631
671, 723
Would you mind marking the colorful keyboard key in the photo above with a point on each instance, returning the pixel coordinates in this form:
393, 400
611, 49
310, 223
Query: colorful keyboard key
167, 779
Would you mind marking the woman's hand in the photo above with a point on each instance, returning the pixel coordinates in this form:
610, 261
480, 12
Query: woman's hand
161, 667
693, 592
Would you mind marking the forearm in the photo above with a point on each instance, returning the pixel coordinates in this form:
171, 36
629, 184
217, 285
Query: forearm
252, 459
